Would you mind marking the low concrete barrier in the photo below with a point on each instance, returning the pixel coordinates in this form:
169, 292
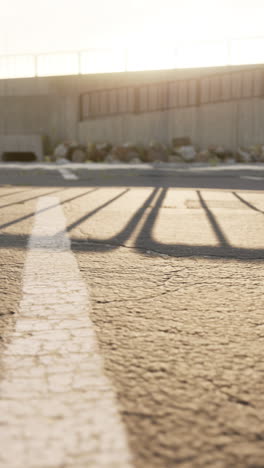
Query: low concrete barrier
24, 144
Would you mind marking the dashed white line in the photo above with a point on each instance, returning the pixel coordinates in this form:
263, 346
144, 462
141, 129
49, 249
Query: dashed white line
252, 177
66, 174
57, 408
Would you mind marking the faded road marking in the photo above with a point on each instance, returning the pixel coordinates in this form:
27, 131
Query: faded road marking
252, 177
66, 174
57, 406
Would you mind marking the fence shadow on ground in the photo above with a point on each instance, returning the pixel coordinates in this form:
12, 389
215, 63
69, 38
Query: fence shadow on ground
144, 239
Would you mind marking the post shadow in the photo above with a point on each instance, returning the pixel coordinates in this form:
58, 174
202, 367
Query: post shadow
30, 215
254, 208
144, 240
224, 250
82, 219
120, 238
32, 198
18, 192
212, 220
114, 241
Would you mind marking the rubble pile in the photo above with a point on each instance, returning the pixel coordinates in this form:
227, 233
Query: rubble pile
156, 152
69, 151
180, 151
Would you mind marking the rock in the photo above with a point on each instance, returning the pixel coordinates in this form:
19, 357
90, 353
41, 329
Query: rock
174, 158
111, 159
61, 151
212, 149
130, 155
78, 155
187, 153
142, 151
261, 154
230, 161
203, 156
98, 151
221, 152
214, 160
129, 151
135, 161
156, 151
62, 161
117, 150
255, 153
125, 152
155, 145
181, 141
128, 146
153, 155
103, 147
243, 156
91, 148
71, 151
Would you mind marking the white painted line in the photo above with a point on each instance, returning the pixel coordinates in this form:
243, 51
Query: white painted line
66, 174
57, 408
252, 177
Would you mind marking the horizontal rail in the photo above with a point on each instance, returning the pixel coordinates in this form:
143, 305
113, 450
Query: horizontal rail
91, 61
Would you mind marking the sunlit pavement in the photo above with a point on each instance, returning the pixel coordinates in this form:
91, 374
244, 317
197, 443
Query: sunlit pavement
172, 262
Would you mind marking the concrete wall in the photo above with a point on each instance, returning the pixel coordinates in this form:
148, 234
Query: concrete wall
51, 106
232, 124
237, 123
43, 106
160, 126
55, 116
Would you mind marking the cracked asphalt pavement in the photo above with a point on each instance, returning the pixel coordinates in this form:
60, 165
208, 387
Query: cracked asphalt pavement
174, 266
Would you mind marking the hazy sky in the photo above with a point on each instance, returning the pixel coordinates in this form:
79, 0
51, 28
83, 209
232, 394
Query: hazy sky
59, 25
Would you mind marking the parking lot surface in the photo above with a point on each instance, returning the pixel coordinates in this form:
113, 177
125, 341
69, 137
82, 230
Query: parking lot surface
131, 317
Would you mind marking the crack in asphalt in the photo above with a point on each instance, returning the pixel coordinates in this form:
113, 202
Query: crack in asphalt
143, 298
157, 253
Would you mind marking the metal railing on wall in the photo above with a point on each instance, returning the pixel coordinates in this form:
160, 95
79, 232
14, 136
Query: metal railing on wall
218, 87
185, 55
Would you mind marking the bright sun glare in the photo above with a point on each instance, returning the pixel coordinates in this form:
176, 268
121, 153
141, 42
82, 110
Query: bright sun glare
121, 35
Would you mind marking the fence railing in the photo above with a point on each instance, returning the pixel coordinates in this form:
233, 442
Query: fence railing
198, 54
227, 86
